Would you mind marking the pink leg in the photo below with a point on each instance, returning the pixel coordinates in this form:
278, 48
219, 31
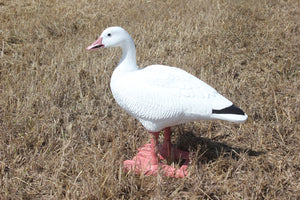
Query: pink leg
168, 152
154, 145
167, 145
147, 160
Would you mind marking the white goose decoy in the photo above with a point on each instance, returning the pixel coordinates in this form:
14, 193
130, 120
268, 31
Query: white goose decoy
161, 96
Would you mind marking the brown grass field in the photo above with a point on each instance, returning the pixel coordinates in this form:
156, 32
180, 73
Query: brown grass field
62, 135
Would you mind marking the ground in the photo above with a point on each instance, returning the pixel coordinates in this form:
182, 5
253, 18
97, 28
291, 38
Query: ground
62, 135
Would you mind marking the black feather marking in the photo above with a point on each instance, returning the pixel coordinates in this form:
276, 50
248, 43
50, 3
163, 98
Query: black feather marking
229, 110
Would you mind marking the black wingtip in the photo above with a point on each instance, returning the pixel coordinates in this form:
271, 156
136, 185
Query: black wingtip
229, 110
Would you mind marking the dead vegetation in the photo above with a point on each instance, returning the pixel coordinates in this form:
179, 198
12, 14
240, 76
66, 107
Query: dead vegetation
62, 136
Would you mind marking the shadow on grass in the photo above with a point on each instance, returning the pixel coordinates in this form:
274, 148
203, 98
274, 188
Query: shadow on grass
209, 150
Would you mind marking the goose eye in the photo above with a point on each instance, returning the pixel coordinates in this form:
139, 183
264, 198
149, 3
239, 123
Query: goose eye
109, 34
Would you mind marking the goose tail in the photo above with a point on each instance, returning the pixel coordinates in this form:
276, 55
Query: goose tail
231, 113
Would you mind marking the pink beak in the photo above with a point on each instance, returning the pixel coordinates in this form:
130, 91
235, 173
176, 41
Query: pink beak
96, 45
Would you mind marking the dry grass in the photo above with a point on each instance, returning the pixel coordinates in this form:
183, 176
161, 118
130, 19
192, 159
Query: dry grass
64, 137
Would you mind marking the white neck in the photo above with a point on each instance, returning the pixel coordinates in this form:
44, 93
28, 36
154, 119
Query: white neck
128, 60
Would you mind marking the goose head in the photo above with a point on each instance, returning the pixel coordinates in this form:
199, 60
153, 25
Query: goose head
111, 37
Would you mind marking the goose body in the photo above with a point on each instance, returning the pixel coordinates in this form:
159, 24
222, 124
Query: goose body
161, 96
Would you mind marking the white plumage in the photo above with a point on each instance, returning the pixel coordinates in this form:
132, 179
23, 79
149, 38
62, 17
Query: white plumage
161, 96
